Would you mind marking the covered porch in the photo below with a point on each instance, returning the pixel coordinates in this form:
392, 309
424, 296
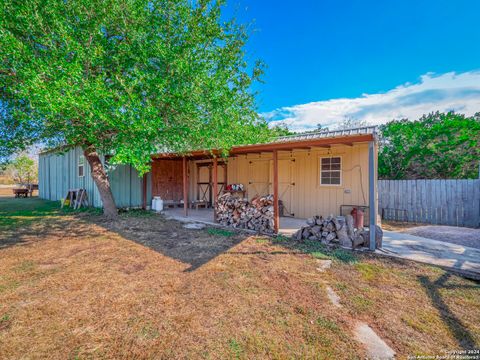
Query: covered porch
287, 225
313, 174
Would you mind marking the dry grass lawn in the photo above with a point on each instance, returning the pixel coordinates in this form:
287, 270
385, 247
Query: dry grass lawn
75, 286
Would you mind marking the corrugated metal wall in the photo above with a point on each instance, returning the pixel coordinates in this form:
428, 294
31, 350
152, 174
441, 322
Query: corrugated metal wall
58, 172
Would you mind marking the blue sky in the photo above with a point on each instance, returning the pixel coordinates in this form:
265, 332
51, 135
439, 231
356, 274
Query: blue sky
326, 50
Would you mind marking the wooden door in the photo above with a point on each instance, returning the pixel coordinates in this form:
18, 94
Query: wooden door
258, 178
286, 184
205, 180
167, 179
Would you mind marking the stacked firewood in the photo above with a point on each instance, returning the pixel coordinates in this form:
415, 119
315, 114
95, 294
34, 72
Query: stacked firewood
328, 230
337, 230
256, 215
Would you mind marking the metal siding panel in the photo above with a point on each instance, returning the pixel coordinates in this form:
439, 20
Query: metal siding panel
149, 188
40, 176
136, 188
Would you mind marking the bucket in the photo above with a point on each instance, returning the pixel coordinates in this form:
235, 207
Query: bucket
157, 204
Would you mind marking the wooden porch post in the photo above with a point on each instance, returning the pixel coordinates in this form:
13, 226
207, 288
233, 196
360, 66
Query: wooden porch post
185, 187
215, 187
276, 211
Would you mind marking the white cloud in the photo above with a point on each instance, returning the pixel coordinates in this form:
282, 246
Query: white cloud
449, 91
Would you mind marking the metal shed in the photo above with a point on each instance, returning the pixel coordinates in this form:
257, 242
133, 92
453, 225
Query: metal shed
58, 171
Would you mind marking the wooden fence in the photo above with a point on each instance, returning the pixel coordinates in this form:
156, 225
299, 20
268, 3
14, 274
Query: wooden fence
444, 202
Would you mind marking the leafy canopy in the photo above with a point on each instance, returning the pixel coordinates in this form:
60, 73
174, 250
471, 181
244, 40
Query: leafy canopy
129, 77
436, 146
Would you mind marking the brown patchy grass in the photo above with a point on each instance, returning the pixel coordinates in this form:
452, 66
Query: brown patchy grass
74, 286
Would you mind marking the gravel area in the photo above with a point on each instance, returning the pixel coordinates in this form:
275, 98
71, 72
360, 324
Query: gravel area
452, 234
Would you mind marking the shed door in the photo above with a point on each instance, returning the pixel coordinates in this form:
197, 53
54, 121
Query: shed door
203, 183
285, 184
205, 180
258, 178
167, 178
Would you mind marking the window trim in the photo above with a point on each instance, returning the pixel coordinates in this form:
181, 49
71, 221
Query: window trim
320, 170
81, 164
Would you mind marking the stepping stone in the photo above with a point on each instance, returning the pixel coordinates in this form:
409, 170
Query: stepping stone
333, 297
376, 347
194, 226
324, 265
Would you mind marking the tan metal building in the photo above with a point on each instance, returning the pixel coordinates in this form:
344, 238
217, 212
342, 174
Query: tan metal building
309, 174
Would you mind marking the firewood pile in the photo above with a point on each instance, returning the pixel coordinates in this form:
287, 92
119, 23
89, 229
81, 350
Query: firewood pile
327, 230
237, 212
337, 230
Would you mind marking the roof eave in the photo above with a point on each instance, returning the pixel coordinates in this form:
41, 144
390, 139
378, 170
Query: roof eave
268, 147
303, 144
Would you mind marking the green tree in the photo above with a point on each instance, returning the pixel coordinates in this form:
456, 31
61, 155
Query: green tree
125, 77
22, 169
436, 146
281, 130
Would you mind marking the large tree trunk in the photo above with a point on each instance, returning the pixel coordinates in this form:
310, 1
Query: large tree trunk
101, 180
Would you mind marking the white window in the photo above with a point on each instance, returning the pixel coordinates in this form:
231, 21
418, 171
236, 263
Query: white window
331, 170
81, 166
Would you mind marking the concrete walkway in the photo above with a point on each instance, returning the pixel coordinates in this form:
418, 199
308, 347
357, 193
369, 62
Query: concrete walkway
457, 257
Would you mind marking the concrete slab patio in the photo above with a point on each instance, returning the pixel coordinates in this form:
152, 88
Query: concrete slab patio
288, 225
454, 256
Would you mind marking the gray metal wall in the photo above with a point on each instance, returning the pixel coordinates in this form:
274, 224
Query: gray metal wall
444, 202
58, 172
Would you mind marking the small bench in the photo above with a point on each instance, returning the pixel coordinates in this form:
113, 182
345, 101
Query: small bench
21, 193
198, 203
172, 203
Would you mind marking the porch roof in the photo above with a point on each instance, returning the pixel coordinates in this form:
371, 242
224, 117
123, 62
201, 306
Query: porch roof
291, 142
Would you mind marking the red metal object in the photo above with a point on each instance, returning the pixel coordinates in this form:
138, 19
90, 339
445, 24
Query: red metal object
358, 218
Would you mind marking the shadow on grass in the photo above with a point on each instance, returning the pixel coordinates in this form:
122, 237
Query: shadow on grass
25, 220
198, 247
458, 330
170, 238
18, 217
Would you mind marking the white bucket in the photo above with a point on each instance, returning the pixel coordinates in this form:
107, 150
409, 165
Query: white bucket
157, 204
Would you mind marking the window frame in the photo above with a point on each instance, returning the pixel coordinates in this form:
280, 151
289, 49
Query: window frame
81, 164
320, 170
